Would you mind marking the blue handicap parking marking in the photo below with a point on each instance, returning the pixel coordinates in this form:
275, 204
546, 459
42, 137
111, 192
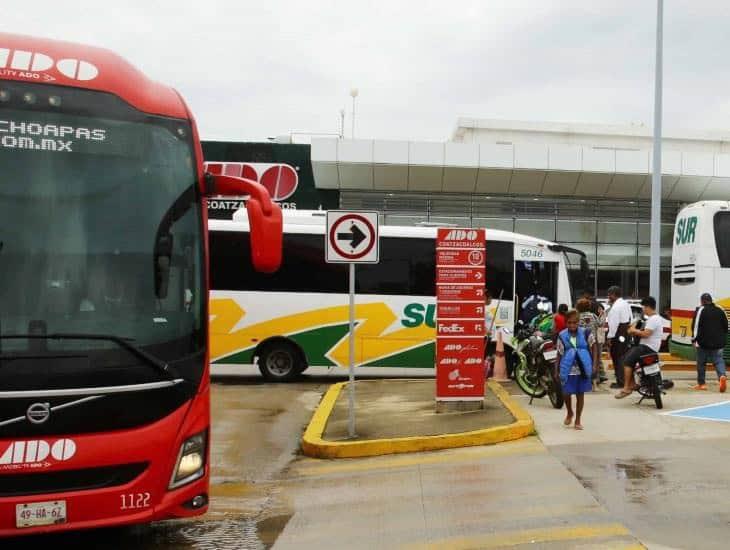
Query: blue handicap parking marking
719, 412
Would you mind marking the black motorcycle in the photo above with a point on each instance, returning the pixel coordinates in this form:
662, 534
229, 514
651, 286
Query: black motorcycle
648, 377
535, 370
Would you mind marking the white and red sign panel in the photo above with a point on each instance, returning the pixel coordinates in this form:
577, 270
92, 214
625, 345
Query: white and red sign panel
460, 275
352, 237
280, 180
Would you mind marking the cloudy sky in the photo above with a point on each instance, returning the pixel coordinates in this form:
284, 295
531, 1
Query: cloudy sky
253, 69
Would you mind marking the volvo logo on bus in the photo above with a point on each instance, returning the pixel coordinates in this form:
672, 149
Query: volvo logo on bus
38, 413
30, 64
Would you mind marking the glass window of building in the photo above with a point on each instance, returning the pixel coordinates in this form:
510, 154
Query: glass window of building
495, 223
542, 229
576, 231
617, 232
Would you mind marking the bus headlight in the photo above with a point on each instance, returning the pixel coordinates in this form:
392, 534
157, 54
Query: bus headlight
190, 462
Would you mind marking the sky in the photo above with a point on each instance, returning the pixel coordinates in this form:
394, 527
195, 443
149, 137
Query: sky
252, 70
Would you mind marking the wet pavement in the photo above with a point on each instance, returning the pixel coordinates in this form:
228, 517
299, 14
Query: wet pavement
633, 471
665, 477
254, 436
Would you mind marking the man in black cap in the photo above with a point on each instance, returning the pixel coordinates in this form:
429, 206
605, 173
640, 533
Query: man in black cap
709, 331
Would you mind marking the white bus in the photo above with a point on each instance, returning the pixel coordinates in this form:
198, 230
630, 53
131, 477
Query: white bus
700, 263
298, 317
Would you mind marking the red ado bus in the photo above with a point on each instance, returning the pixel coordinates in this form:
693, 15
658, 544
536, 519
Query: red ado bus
104, 375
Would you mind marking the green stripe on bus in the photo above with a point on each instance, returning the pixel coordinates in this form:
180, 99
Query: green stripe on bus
685, 351
420, 357
315, 344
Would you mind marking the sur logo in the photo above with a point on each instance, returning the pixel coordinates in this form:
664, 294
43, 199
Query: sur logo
686, 230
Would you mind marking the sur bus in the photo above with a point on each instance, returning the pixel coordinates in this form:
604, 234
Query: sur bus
297, 317
104, 366
700, 263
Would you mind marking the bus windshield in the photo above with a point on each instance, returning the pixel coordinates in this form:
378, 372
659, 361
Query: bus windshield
87, 237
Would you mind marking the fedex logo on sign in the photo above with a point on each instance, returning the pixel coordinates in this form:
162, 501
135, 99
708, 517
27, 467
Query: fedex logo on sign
453, 328
280, 180
30, 64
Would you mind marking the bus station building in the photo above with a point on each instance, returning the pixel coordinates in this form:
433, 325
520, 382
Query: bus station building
583, 185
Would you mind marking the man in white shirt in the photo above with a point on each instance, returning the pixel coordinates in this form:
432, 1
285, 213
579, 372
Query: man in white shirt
651, 341
618, 319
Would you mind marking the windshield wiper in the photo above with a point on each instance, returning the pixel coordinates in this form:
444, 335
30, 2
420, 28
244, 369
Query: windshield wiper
160, 365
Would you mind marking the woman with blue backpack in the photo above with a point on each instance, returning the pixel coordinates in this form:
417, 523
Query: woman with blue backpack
577, 353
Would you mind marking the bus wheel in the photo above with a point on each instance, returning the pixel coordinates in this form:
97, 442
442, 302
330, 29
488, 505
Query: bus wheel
280, 362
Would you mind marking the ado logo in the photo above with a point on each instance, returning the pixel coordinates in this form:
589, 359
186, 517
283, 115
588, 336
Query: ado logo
280, 180
35, 62
461, 235
28, 452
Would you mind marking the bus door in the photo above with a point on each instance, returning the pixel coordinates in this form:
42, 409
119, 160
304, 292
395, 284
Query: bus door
536, 282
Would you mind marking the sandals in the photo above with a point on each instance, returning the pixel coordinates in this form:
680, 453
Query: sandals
622, 394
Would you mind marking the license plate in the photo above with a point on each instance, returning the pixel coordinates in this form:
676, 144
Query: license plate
550, 354
651, 369
40, 513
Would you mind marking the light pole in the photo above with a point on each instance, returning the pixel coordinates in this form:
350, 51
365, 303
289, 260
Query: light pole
353, 94
342, 123
656, 176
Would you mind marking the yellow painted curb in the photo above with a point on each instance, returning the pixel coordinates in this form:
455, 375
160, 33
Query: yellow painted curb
313, 445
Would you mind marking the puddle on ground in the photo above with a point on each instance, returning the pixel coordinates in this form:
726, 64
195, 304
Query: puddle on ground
637, 477
234, 533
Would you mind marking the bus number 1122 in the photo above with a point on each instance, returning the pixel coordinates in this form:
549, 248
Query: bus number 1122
133, 501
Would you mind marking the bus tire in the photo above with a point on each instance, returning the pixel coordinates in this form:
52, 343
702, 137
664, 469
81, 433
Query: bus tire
280, 361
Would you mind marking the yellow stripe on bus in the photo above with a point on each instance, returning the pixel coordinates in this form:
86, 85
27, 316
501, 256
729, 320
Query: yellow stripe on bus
373, 320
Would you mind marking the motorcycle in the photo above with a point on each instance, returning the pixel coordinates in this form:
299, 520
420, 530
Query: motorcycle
648, 377
535, 370
653, 366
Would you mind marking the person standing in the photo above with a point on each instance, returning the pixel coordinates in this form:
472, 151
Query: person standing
709, 333
559, 319
588, 319
577, 353
619, 319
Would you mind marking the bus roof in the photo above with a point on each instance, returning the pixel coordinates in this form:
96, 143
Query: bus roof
45, 61
706, 204
313, 221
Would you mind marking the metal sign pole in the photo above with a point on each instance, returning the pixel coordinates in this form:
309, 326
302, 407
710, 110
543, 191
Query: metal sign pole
351, 419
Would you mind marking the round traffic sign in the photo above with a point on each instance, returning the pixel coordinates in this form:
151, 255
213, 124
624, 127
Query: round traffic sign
360, 234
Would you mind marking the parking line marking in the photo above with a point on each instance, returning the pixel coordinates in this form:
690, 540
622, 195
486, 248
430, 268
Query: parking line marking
312, 467
669, 413
528, 536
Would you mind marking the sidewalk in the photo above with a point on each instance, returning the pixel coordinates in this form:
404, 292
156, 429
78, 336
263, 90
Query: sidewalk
510, 495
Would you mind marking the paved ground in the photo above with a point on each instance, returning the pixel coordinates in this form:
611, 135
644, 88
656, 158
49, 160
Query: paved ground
400, 408
632, 471
664, 477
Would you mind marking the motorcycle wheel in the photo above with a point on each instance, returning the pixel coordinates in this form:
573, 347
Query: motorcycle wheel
657, 389
527, 381
556, 389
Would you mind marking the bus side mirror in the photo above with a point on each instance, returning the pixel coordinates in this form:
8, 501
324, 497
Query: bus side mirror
264, 217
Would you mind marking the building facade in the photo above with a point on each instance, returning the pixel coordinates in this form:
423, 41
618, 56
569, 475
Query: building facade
586, 186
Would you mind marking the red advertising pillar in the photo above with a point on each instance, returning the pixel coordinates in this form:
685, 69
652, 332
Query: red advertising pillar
460, 331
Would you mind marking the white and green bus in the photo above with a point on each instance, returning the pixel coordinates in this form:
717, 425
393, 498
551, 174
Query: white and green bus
297, 318
700, 263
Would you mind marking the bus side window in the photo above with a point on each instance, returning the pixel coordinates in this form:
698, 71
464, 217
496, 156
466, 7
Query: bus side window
500, 269
406, 267
722, 229
303, 267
